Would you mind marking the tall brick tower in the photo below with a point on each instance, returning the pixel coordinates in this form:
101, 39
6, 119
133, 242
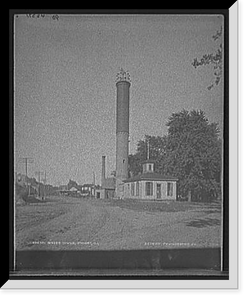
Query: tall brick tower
122, 130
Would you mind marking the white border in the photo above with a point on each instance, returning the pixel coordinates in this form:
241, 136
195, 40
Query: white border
233, 146
232, 283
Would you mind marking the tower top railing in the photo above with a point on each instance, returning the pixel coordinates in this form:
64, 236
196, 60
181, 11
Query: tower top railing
123, 76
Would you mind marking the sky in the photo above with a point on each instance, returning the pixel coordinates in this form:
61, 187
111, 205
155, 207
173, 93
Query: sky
65, 92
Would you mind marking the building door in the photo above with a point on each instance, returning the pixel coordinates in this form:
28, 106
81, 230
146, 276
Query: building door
158, 191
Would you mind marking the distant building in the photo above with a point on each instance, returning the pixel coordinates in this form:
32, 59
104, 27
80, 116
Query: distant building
87, 189
150, 185
107, 189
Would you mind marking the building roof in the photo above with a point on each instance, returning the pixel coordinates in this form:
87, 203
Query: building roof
73, 189
148, 161
88, 185
152, 176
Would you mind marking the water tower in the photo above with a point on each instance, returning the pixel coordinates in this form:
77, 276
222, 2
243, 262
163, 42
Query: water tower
122, 129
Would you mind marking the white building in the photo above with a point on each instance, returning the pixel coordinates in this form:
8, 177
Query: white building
150, 185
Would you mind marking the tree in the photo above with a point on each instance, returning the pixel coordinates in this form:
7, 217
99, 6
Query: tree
157, 148
191, 152
213, 58
71, 184
135, 160
194, 155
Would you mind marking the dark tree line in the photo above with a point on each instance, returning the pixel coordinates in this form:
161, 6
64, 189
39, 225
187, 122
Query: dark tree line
191, 151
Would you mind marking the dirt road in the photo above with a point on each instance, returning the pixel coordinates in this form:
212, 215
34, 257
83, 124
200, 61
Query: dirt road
76, 223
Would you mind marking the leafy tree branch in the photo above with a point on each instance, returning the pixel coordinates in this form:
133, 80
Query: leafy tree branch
212, 58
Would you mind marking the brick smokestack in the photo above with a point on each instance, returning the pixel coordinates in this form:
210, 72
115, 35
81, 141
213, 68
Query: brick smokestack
103, 171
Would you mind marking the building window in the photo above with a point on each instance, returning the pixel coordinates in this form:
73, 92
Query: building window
158, 191
169, 189
150, 167
137, 188
132, 189
128, 187
149, 188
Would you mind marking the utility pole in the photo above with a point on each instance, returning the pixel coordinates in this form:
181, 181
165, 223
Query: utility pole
39, 173
26, 161
44, 181
94, 184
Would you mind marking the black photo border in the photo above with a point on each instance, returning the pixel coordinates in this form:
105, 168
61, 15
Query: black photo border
151, 275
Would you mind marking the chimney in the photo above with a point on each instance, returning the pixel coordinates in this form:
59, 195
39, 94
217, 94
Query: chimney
103, 172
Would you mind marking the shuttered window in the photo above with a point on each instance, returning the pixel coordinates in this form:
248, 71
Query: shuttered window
149, 188
137, 188
169, 189
132, 189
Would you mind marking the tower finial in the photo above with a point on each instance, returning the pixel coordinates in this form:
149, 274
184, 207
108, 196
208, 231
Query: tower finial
123, 76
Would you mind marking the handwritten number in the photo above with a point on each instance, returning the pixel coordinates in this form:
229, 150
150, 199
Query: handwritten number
54, 17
